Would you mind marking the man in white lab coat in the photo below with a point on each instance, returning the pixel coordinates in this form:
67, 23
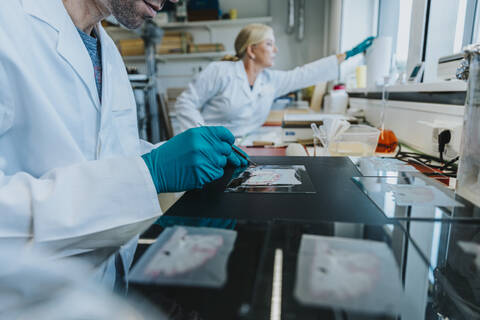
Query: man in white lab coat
74, 176
34, 286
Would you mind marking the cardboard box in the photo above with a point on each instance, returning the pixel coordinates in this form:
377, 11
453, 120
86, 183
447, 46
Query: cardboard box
206, 47
175, 42
172, 42
131, 47
203, 15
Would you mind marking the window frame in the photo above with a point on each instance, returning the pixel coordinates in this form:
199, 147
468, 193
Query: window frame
472, 28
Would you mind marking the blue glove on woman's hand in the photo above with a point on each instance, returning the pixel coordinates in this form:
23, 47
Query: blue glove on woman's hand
361, 47
192, 159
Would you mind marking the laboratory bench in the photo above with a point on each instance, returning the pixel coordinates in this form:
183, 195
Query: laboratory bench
337, 198
436, 259
263, 274
268, 151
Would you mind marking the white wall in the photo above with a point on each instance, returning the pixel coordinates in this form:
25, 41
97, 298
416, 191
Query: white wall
359, 21
388, 22
441, 35
292, 52
414, 122
417, 33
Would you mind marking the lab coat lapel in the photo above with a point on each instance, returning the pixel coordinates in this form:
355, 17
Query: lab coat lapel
70, 46
259, 86
242, 74
77, 56
107, 80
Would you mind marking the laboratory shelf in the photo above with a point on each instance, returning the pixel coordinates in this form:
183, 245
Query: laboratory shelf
180, 56
444, 86
214, 23
120, 33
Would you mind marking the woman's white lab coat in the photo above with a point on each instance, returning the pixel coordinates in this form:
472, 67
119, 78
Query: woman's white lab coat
71, 178
221, 94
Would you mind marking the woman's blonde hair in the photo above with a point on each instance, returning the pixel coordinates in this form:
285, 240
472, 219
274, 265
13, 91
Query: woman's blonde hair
251, 34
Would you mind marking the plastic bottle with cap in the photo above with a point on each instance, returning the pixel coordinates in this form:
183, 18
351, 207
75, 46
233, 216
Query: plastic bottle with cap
336, 101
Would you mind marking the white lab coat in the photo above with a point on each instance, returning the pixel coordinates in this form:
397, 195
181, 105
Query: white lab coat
32, 286
221, 94
71, 178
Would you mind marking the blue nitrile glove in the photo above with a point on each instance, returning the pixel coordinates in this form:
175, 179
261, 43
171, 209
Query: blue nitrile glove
237, 161
361, 47
192, 159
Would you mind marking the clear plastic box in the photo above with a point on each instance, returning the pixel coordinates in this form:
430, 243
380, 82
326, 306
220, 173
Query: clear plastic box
358, 140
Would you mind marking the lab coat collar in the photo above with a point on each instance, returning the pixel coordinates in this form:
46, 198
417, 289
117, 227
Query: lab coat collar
108, 47
70, 46
240, 70
241, 73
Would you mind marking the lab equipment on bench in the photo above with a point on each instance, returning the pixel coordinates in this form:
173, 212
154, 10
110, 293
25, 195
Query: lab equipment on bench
447, 66
329, 131
378, 57
336, 101
387, 142
380, 167
411, 195
272, 179
361, 76
468, 183
417, 73
341, 139
296, 150
358, 140
297, 127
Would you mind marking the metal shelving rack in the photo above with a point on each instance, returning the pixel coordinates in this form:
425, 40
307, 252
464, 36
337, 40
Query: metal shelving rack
153, 120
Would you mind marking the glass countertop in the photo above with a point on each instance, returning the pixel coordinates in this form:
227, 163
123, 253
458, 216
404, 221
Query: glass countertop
272, 263
453, 251
414, 196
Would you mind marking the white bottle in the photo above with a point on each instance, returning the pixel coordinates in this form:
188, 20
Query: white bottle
336, 101
181, 11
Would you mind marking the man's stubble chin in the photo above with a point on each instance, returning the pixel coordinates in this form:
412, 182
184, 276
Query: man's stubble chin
126, 12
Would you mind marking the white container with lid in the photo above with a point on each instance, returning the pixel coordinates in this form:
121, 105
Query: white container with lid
337, 100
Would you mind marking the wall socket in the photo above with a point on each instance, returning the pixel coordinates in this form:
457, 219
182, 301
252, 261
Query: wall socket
452, 149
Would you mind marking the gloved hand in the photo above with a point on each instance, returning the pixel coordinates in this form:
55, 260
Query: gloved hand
361, 47
192, 159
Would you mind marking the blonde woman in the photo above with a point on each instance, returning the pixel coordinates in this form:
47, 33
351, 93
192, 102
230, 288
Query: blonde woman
238, 93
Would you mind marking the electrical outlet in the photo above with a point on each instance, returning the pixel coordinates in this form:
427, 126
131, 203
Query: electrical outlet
452, 149
436, 132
